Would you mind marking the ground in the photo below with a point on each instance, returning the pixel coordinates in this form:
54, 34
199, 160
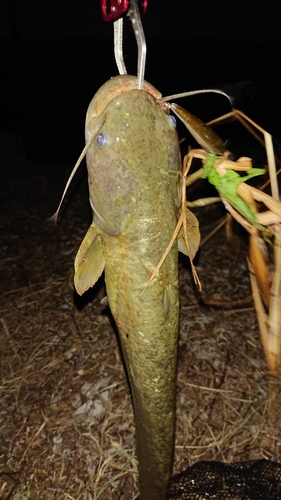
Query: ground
66, 414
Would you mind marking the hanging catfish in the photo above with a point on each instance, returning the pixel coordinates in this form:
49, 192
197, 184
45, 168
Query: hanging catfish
134, 173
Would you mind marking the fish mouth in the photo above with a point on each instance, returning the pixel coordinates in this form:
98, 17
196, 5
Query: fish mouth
114, 87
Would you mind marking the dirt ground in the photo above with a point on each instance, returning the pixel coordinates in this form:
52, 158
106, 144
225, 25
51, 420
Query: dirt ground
67, 428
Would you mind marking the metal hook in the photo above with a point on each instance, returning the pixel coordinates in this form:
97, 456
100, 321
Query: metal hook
140, 38
134, 16
118, 46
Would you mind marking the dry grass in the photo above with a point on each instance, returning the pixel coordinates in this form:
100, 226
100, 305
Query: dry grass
66, 414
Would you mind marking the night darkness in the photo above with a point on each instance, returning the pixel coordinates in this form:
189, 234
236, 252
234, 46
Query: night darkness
56, 54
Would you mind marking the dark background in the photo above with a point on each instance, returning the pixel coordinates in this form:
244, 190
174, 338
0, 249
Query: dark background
55, 54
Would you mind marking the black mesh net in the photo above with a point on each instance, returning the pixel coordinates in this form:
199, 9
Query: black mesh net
253, 480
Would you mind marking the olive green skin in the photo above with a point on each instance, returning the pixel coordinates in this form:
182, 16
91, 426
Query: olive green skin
134, 191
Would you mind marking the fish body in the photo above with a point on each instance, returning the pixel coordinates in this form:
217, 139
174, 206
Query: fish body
134, 184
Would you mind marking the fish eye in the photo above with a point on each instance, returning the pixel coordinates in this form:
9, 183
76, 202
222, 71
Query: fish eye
172, 120
101, 140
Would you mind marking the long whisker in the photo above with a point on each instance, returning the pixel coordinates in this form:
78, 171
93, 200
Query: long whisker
195, 92
75, 168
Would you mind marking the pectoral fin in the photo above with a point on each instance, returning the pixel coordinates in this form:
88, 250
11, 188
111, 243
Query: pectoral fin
193, 235
89, 262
